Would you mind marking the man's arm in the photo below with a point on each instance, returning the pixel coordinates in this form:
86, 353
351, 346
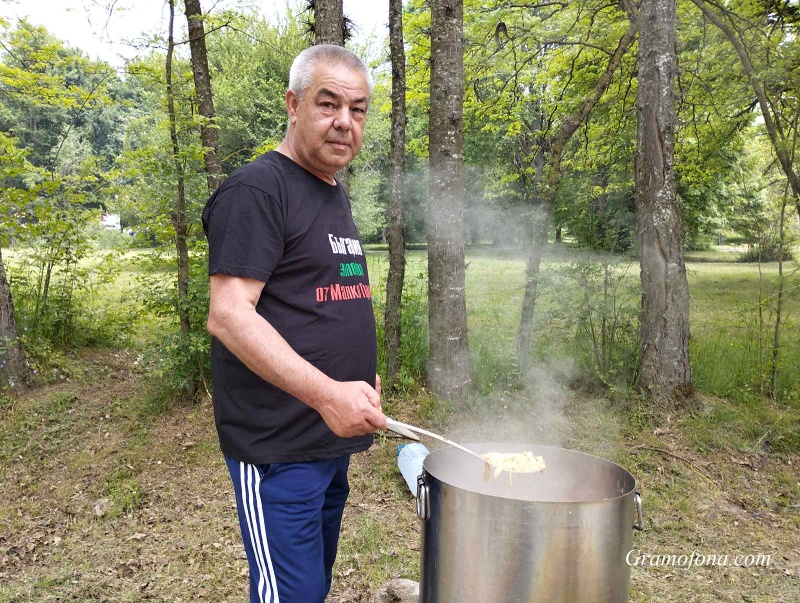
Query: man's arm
349, 408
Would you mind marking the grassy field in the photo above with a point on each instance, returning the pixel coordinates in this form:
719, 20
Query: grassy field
115, 493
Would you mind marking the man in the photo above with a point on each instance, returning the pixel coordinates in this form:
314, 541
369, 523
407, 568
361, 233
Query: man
293, 349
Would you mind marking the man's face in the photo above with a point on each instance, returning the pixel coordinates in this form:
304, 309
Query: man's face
328, 122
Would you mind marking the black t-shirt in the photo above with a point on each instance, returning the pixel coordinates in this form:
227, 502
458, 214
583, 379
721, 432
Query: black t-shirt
275, 222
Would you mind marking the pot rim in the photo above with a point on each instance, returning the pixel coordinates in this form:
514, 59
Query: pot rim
526, 445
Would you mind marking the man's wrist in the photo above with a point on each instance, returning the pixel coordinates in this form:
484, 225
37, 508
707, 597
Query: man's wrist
323, 392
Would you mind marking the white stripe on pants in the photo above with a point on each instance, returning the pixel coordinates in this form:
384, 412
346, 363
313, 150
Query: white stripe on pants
254, 512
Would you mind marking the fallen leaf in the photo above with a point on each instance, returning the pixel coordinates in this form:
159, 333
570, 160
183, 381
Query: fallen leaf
662, 431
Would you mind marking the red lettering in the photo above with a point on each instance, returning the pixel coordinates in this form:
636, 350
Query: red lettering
337, 292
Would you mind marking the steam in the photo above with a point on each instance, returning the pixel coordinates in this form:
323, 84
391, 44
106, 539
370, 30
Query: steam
534, 415
542, 407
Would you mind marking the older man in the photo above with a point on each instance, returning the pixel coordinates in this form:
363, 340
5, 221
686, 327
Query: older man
293, 350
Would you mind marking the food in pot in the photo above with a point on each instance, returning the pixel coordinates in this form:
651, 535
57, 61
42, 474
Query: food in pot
514, 462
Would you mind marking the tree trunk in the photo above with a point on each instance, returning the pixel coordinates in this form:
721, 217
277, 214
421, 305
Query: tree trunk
329, 28
664, 325
329, 22
780, 145
179, 220
42, 308
776, 339
13, 366
541, 218
525, 337
209, 134
600, 218
448, 369
394, 231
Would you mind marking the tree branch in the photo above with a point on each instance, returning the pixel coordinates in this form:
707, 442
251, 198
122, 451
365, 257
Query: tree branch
770, 121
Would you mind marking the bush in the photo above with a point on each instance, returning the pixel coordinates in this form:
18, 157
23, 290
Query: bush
766, 249
177, 356
604, 316
414, 334
66, 304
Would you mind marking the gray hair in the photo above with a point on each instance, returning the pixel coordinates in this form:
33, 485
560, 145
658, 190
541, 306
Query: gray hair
306, 62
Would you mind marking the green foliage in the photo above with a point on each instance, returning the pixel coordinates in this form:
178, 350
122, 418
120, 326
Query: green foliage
767, 249
53, 178
414, 329
124, 490
146, 200
53, 91
732, 333
607, 321
249, 62
173, 355
81, 307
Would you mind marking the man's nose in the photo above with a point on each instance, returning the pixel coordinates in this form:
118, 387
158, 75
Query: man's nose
342, 120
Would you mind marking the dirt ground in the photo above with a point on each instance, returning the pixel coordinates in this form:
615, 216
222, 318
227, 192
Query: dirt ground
110, 496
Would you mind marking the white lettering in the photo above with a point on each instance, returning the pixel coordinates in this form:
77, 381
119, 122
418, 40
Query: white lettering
636, 558
344, 245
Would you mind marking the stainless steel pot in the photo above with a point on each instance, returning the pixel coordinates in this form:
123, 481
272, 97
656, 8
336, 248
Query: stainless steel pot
551, 537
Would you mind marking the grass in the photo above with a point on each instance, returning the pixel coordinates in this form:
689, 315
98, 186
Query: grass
724, 315
723, 476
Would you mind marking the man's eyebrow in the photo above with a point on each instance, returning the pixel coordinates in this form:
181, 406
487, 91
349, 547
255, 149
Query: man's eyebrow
324, 92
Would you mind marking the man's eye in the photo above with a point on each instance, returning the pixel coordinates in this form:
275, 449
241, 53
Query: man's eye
326, 105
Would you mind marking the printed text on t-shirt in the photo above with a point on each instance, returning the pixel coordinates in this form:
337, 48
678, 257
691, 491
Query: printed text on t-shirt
338, 292
345, 246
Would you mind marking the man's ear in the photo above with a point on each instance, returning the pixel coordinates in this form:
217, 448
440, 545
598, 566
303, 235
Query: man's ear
292, 102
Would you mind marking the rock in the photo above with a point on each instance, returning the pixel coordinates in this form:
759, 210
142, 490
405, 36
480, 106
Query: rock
399, 590
102, 506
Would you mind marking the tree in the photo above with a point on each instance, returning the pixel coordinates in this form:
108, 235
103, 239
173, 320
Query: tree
209, 133
448, 371
556, 144
781, 129
664, 325
329, 22
13, 365
395, 231
179, 218
249, 61
54, 100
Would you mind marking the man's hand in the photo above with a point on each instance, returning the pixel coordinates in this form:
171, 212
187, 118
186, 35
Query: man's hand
353, 408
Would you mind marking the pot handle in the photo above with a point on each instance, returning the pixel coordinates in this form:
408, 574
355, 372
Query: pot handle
423, 504
639, 525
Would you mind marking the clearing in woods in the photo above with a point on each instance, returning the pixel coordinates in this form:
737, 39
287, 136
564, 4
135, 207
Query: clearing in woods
111, 495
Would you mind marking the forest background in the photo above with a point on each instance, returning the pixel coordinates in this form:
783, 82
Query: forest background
105, 170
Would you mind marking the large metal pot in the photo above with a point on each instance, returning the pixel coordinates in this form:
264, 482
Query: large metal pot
556, 536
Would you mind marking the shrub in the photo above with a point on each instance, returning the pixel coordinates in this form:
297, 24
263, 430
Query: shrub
766, 249
414, 333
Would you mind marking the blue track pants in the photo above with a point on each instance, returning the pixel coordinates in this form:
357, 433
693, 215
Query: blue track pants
290, 515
